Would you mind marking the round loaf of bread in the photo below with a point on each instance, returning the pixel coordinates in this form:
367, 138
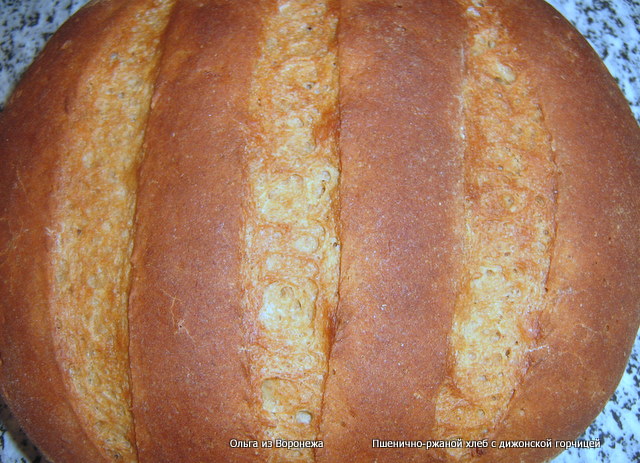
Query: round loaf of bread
316, 231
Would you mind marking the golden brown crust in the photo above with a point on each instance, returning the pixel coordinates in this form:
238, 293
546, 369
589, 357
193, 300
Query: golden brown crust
92, 221
401, 205
433, 205
191, 389
593, 283
37, 133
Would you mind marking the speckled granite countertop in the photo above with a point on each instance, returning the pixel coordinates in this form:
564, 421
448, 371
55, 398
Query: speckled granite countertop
612, 27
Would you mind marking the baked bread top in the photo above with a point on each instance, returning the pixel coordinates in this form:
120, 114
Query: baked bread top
423, 227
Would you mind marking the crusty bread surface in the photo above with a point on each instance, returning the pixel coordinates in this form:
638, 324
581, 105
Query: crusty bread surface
237, 222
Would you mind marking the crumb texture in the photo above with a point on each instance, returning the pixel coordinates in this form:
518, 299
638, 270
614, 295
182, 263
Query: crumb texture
290, 268
510, 197
95, 200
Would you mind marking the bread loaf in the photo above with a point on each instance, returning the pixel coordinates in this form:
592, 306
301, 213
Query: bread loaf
229, 226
